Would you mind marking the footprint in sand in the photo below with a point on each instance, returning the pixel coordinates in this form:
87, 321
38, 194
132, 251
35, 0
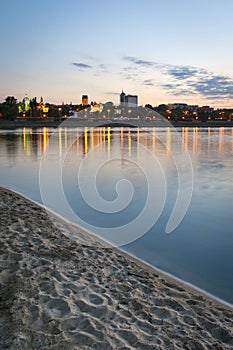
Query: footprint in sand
57, 307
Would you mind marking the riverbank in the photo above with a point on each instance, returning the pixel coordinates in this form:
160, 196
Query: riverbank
75, 123
63, 289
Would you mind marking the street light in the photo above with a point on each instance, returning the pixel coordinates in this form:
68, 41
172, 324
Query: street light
59, 110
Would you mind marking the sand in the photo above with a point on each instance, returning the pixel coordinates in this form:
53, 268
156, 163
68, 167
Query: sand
59, 292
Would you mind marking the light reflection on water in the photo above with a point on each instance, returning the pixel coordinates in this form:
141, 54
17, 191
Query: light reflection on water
200, 249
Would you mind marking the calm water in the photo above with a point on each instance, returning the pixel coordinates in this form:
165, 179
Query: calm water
198, 251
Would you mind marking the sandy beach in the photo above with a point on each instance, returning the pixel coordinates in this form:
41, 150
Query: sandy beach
60, 292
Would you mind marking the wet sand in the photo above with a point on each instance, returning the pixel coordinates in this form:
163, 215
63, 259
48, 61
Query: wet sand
62, 289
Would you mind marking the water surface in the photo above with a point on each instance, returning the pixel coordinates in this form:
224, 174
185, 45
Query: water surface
199, 250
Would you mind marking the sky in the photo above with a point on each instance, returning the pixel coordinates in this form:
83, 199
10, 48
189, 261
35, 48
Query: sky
164, 51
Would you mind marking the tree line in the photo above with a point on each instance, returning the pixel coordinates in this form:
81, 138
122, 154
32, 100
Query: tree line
11, 109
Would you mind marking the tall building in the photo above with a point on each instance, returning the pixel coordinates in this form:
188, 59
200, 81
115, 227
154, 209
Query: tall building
122, 98
128, 100
85, 100
131, 100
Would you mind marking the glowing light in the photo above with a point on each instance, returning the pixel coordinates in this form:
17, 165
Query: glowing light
153, 140
60, 141
85, 140
186, 138
27, 141
209, 131
99, 138
40, 145
104, 134
221, 140
195, 140
45, 137
129, 143
122, 137
24, 139
183, 136
109, 140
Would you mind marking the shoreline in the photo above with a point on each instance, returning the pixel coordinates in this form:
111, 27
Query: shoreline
74, 123
94, 239
93, 293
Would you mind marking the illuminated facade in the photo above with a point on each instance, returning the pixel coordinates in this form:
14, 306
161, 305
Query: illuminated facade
95, 107
85, 100
42, 106
24, 106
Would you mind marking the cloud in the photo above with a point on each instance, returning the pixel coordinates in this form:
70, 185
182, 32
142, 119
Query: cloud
183, 80
112, 93
148, 82
81, 65
182, 73
139, 61
102, 68
188, 80
215, 86
135, 69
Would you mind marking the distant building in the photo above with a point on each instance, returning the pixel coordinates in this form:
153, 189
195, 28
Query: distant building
24, 106
206, 109
183, 106
85, 100
96, 107
177, 105
42, 106
131, 100
122, 98
128, 100
193, 108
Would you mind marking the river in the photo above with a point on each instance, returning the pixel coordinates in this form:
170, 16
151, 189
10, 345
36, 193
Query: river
165, 195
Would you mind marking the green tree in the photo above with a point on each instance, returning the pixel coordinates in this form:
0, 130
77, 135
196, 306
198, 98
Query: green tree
177, 114
149, 106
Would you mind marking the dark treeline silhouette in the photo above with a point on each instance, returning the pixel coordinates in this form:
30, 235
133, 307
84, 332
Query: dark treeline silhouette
188, 113
11, 109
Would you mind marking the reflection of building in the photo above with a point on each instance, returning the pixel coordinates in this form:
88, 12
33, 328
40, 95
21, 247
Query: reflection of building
128, 100
85, 100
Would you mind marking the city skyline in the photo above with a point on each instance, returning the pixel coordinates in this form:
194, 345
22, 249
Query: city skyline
164, 52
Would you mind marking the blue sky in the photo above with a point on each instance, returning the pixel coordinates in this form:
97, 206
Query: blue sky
162, 50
